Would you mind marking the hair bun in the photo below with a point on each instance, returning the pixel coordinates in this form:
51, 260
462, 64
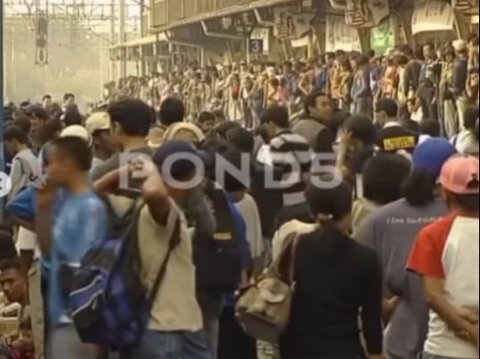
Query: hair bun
323, 218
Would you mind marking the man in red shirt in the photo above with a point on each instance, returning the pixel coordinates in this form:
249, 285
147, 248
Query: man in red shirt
446, 255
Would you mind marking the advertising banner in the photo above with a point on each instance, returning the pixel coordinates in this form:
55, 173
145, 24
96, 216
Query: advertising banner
340, 36
366, 13
432, 16
291, 25
382, 37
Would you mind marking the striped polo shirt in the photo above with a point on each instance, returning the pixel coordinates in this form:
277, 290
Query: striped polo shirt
291, 158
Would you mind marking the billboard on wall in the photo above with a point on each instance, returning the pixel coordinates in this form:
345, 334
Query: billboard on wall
470, 7
432, 16
290, 24
382, 37
366, 13
340, 36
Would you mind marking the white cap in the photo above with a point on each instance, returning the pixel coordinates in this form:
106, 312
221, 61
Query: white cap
97, 121
76, 131
460, 45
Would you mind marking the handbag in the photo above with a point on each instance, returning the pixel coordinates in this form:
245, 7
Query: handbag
263, 308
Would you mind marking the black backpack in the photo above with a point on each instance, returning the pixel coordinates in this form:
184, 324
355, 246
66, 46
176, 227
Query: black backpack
218, 256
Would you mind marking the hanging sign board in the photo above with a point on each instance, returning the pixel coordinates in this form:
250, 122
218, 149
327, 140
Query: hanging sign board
338, 4
470, 7
366, 13
291, 25
341, 36
262, 34
432, 16
382, 37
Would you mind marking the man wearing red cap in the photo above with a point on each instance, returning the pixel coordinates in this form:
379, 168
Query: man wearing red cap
446, 255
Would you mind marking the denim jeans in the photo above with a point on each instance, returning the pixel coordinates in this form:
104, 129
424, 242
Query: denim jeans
211, 305
65, 343
168, 345
194, 346
432, 356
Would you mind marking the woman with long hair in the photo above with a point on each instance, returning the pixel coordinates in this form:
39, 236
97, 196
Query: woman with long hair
337, 281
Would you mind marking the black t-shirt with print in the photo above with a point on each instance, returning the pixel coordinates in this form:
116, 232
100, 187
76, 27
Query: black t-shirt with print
396, 138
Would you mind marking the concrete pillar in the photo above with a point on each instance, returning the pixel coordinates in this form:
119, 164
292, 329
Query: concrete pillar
122, 35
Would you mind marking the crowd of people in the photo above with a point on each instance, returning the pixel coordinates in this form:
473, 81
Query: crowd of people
181, 191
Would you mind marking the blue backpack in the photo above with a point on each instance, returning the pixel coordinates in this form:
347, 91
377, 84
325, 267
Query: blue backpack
109, 304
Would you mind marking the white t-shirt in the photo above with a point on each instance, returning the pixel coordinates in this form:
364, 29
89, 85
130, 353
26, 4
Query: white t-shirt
449, 250
27, 241
249, 211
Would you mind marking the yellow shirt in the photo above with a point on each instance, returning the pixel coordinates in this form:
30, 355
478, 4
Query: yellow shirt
176, 307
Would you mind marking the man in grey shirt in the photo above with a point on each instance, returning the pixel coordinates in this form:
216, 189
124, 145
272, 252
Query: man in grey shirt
391, 232
25, 166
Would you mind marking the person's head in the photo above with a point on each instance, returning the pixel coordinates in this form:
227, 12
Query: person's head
330, 206
223, 128
449, 54
383, 177
287, 67
7, 246
470, 118
346, 64
460, 181
172, 110
386, 110
277, 119
39, 116
430, 127
47, 101
330, 59
473, 44
241, 139
68, 99
206, 121
13, 283
177, 162
71, 117
15, 139
410, 125
48, 132
406, 51
361, 131
429, 52
98, 125
235, 186
473, 40
68, 157
428, 159
460, 46
274, 82
184, 131
319, 107
130, 119
362, 62
24, 123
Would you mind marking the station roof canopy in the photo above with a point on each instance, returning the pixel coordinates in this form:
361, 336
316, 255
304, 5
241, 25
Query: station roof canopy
229, 10
142, 41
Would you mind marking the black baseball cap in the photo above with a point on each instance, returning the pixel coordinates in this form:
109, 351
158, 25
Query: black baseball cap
362, 128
